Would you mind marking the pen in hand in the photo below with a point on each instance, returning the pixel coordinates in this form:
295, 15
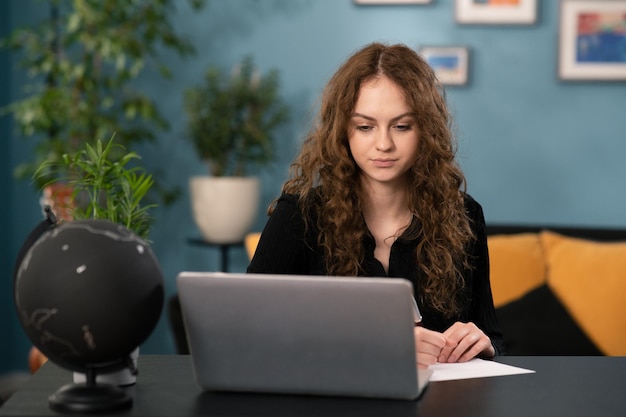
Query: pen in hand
417, 316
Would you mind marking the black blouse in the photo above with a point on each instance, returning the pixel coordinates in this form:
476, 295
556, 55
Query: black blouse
286, 247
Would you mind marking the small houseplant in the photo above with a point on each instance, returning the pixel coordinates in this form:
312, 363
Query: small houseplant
103, 187
231, 120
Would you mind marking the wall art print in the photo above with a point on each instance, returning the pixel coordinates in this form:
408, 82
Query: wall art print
391, 2
496, 12
451, 63
592, 40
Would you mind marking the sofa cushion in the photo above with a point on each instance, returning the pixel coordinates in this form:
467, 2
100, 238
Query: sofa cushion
589, 278
517, 265
537, 324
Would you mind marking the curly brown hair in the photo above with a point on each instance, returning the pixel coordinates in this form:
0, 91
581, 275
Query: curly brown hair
326, 177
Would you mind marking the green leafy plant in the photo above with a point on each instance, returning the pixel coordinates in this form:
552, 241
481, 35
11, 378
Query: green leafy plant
81, 62
231, 119
103, 188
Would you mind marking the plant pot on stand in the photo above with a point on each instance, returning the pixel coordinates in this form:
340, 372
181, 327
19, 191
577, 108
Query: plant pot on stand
231, 122
224, 208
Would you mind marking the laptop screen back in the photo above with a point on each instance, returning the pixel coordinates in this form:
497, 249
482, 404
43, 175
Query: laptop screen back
301, 334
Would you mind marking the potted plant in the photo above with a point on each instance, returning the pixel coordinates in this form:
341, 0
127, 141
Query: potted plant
103, 187
231, 119
82, 61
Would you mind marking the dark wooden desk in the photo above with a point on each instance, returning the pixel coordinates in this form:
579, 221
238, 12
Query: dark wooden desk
562, 386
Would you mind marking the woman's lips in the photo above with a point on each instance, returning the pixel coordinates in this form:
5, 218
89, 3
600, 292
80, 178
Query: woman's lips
383, 163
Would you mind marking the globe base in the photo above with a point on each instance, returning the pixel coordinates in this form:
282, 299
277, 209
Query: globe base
89, 398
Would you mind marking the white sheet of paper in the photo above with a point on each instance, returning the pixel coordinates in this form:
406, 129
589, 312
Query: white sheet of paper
476, 368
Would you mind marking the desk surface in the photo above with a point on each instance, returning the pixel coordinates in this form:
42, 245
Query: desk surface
562, 386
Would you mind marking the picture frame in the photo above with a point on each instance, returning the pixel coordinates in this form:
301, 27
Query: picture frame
591, 40
391, 2
451, 63
496, 12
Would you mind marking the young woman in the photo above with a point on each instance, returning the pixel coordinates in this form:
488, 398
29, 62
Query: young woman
376, 191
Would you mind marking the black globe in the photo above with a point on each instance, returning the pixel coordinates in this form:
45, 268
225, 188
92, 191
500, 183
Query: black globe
87, 293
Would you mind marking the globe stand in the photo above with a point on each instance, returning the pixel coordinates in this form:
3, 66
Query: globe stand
89, 397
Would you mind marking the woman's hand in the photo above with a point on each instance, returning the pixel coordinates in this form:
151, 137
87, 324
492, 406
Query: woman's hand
465, 342
428, 345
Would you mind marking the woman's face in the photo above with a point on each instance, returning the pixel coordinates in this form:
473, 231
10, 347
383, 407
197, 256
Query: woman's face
383, 135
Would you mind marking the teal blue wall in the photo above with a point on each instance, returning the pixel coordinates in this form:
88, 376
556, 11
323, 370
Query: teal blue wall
7, 325
21, 204
535, 149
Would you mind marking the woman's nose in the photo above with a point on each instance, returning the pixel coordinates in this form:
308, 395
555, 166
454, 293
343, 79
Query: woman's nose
384, 141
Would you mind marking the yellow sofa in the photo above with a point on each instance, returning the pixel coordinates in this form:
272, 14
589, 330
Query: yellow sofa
559, 290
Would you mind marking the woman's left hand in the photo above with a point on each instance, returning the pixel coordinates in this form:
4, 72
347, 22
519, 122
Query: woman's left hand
468, 341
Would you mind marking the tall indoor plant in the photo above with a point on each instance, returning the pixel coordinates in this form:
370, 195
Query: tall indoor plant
82, 61
231, 122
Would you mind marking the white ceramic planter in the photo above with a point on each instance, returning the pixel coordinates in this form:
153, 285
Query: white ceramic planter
224, 208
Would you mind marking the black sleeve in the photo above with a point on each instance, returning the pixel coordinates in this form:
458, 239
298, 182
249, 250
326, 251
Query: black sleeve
482, 310
282, 248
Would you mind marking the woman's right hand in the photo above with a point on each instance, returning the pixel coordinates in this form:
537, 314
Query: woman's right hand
428, 346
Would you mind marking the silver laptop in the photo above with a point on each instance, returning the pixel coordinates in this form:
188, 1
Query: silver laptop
288, 334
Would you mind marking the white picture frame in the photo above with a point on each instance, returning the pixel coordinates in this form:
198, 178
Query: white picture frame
391, 2
451, 63
496, 12
591, 39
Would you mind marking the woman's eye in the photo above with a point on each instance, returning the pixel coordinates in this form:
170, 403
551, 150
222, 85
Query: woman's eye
403, 127
363, 128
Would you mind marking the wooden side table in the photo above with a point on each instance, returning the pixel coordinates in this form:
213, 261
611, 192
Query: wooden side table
223, 247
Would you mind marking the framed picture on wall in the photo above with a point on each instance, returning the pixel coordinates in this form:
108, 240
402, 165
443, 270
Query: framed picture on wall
451, 63
592, 40
393, 1
496, 12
